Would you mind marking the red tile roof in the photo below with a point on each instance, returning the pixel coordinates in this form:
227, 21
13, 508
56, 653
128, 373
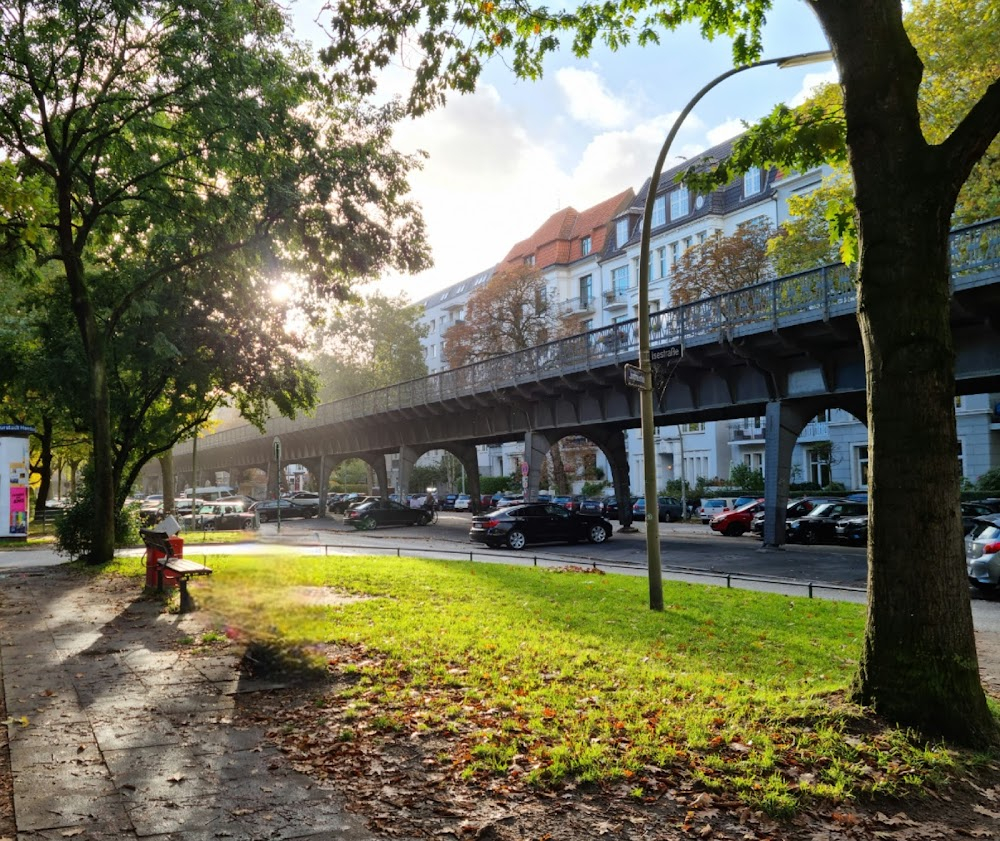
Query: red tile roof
558, 239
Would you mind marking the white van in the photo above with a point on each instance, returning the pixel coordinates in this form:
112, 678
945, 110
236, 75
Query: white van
712, 507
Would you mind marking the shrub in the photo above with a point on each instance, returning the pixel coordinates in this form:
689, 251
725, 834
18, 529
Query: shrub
593, 488
989, 481
743, 477
75, 528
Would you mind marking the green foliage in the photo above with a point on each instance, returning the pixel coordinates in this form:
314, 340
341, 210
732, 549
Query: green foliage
989, 481
457, 39
427, 476
74, 529
594, 488
812, 237
370, 343
746, 479
497, 484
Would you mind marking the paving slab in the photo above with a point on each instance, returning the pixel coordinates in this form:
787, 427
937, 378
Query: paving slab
117, 730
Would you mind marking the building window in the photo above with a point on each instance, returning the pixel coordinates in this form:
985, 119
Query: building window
679, 202
585, 246
621, 232
861, 465
659, 211
751, 181
587, 325
675, 253
819, 466
702, 236
661, 261
529, 260
619, 280
586, 290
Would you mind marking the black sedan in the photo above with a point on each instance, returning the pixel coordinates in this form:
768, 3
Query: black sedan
267, 509
385, 512
820, 524
520, 525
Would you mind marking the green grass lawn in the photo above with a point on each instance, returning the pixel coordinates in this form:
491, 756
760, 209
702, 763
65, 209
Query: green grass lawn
567, 676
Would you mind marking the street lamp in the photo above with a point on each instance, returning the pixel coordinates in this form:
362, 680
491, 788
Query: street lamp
646, 394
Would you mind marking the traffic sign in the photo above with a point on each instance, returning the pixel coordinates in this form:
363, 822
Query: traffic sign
635, 377
277, 448
524, 468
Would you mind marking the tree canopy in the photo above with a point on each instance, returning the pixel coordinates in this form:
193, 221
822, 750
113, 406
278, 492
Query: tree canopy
368, 344
510, 312
186, 156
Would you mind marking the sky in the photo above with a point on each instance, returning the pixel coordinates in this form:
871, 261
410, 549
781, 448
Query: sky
504, 159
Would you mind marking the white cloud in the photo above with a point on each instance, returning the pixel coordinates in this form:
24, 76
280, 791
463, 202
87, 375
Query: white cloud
810, 82
724, 131
589, 101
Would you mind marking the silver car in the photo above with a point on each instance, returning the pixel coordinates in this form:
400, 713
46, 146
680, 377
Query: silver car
982, 551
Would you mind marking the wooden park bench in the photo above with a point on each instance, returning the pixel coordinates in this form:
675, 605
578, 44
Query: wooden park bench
180, 568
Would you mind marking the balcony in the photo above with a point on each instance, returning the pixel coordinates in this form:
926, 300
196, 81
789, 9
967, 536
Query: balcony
583, 305
743, 433
615, 299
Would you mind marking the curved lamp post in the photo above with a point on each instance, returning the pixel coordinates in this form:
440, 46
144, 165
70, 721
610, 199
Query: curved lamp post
646, 396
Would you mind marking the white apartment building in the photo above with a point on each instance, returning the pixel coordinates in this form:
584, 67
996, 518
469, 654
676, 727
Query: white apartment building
590, 261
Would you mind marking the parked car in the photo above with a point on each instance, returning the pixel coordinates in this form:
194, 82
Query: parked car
853, 530
463, 502
982, 552
670, 509
591, 505
341, 504
534, 522
570, 503
267, 509
794, 508
385, 512
712, 507
509, 499
738, 521
486, 501
611, 506
820, 524
972, 510
304, 496
448, 503
221, 515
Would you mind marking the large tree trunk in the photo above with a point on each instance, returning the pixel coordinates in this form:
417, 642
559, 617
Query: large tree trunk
918, 666
44, 465
102, 475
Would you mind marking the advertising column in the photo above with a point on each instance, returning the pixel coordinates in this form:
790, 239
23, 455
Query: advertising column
15, 473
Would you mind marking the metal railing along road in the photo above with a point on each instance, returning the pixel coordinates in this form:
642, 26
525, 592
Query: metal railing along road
818, 294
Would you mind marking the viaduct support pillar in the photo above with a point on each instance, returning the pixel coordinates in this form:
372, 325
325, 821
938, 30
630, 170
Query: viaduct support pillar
536, 447
784, 424
612, 444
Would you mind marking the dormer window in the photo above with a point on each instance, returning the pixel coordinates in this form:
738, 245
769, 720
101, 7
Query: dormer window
751, 182
679, 204
621, 232
529, 260
584, 246
659, 211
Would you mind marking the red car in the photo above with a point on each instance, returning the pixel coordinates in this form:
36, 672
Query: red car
736, 522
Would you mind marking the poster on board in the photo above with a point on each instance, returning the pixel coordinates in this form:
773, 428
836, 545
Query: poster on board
15, 476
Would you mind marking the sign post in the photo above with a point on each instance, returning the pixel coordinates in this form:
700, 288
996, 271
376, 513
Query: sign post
15, 476
277, 458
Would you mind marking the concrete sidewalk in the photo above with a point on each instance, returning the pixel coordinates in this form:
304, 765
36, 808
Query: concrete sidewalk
117, 730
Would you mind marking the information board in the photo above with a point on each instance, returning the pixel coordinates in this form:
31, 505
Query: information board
15, 474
